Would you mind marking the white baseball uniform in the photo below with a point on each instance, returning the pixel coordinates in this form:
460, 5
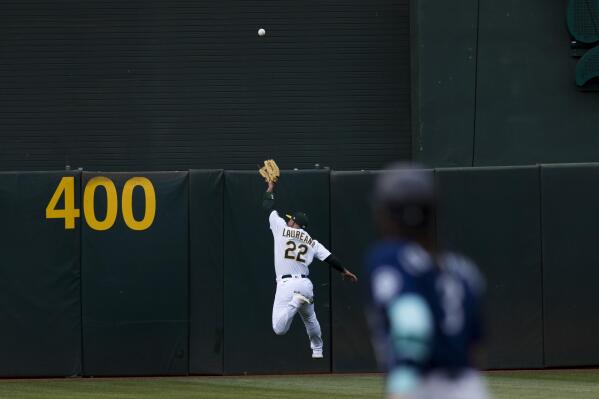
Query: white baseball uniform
294, 252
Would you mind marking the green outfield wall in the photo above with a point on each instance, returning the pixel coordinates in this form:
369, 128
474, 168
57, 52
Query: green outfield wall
40, 276
135, 278
170, 273
494, 216
162, 84
496, 85
206, 257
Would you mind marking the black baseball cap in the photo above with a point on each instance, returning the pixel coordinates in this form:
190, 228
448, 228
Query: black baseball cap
407, 193
403, 183
300, 218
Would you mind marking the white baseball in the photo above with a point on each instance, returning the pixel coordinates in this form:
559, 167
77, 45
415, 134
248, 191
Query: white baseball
261, 32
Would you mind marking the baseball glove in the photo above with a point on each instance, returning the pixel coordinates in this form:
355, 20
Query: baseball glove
270, 171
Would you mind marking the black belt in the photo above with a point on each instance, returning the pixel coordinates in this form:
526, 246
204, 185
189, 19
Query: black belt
289, 276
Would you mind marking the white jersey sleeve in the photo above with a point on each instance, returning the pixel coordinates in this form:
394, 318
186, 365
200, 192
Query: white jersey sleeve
277, 223
321, 252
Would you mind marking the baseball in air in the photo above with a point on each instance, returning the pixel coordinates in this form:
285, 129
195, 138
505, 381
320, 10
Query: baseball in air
261, 32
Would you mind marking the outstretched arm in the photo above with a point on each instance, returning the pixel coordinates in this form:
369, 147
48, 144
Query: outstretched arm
268, 203
326, 256
336, 264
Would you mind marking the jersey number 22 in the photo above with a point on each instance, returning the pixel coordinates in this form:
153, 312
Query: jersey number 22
290, 251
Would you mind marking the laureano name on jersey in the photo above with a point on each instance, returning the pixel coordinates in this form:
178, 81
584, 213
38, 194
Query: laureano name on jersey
299, 235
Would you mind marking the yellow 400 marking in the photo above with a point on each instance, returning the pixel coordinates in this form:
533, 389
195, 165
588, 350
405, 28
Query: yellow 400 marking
69, 213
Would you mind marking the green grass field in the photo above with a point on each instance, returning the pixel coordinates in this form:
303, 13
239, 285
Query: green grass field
570, 384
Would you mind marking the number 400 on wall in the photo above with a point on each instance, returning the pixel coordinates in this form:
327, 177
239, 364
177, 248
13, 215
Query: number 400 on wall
69, 213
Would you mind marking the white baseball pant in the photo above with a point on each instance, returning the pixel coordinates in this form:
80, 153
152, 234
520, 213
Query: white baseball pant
285, 308
470, 385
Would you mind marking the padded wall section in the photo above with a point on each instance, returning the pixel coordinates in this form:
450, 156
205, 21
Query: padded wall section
135, 283
352, 232
444, 98
493, 216
40, 309
570, 273
250, 343
528, 107
206, 271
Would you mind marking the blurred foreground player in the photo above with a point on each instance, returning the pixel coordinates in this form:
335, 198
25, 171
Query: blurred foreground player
425, 302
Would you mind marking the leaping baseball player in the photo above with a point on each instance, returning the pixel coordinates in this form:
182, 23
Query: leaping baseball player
294, 251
